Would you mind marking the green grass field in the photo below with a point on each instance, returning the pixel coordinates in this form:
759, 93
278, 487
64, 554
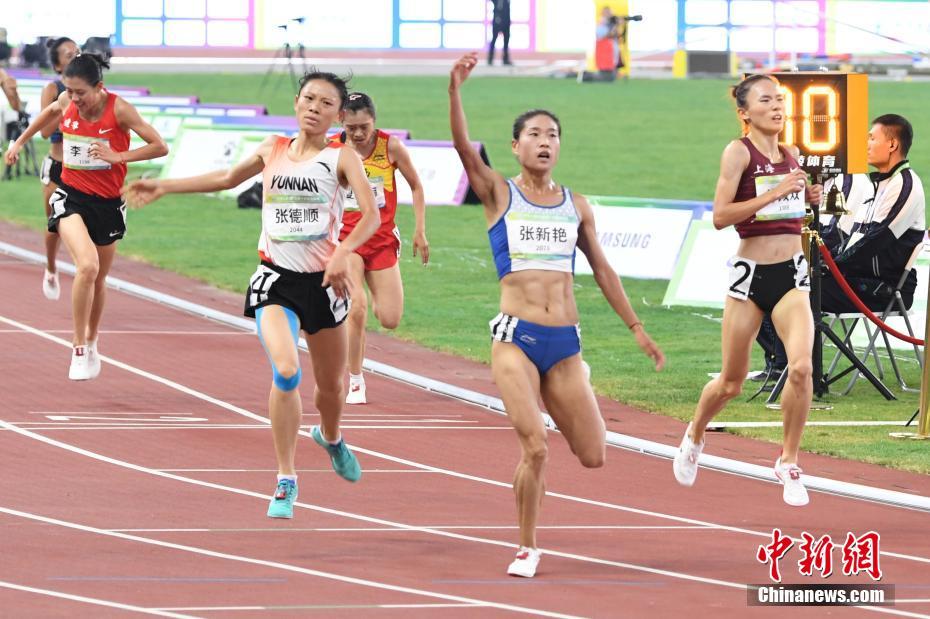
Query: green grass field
646, 138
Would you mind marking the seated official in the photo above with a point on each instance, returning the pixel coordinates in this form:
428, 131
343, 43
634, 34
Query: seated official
887, 224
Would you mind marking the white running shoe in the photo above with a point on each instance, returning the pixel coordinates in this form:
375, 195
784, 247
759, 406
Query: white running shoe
526, 562
790, 475
356, 394
50, 287
685, 464
93, 359
80, 364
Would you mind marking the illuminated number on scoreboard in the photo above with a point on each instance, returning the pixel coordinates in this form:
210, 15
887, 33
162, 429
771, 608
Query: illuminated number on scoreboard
788, 134
827, 118
812, 121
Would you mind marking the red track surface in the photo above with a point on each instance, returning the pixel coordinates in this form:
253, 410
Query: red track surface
176, 518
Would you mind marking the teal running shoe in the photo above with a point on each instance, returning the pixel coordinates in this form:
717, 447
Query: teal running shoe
282, 503
344, 461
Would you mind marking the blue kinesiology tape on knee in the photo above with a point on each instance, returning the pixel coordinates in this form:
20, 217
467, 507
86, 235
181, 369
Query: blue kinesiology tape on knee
285, 384
280, 381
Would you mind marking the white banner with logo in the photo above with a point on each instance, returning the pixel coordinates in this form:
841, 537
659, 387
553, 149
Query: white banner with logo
440, 171
198, 150
639, 241
701, 275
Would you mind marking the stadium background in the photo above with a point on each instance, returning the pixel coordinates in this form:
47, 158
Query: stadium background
650, 136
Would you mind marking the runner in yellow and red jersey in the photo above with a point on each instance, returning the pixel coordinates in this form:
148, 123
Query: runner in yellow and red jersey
375, 262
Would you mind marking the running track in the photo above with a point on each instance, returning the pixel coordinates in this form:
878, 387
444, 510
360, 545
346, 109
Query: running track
145, 490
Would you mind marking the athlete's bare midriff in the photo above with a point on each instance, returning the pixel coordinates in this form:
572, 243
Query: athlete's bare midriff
770, 249
543, 297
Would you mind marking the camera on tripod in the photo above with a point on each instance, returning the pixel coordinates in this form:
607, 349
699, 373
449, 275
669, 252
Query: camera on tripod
28, 161
616, 19
286, 52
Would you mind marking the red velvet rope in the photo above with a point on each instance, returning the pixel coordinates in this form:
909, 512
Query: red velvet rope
858, 302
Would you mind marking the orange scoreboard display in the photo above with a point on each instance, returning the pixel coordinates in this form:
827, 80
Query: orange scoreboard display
826, 117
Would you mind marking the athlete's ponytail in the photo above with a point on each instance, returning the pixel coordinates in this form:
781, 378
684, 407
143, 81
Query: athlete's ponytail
88, 66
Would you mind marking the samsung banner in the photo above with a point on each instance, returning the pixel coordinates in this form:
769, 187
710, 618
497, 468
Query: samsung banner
641, 238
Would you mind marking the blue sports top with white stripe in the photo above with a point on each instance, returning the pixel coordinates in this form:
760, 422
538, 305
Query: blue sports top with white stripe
530, 236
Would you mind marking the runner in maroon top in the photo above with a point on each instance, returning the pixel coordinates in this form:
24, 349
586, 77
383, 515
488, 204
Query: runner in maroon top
762, 193
86, 208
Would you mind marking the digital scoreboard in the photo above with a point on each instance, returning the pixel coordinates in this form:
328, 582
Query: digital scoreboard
826, 117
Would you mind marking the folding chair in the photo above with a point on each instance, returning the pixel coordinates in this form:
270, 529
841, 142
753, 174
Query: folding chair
895, 308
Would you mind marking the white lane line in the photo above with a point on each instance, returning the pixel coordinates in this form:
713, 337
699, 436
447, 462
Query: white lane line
172, 332
451, 527
421, 420
719, 425
280, 566
346, 414
221, 426
158, 612
322, 607
120, 413
246, 413
328, 470
495, 405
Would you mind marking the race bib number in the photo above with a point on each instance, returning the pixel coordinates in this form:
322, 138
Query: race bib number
377, 188
296, 218
802, 280
741, 270
260, 284
789, 207
541, 237
76, 149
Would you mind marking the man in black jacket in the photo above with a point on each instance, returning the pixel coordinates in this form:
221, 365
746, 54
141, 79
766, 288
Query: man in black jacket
500, 25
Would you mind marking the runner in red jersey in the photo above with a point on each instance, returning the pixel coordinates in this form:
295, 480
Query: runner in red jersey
761, 191
86, 208
375, 263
